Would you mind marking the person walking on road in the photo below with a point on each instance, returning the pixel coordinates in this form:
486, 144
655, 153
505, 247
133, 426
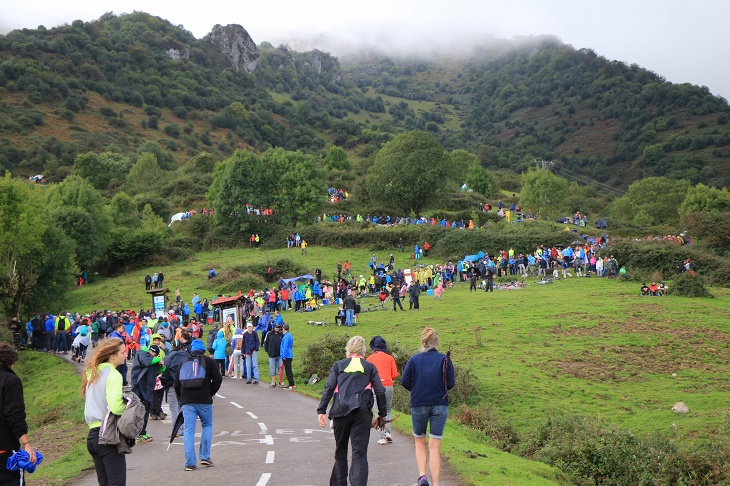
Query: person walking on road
287, 355
196, 401
146, 367
388, 371
350, 382
429, 375
101, 386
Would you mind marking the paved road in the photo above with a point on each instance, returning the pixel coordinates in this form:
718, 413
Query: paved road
266, 436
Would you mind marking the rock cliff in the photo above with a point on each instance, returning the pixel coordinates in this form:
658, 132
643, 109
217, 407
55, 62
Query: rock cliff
236, 45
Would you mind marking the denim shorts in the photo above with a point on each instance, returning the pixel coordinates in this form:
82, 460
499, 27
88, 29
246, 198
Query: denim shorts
433, 414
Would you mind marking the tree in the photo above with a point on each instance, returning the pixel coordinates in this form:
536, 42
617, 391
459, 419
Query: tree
651, 201
337, 159
101, 169
460, 163
145, 173
543, 191
300, 191
481, 181
409, 172
702, 198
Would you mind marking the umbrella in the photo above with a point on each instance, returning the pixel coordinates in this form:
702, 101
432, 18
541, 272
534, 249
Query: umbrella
578, 242
176, 428
560, 245
21, 460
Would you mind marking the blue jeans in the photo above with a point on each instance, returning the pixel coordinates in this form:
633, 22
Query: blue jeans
350, 313
435, 415
252, 366
274, 365
191, 412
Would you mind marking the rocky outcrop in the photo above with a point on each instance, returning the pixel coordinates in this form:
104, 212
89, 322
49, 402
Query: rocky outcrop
176, 55
236, 45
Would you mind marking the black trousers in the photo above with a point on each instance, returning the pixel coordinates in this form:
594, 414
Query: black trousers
111, 466
288, 371
355, 429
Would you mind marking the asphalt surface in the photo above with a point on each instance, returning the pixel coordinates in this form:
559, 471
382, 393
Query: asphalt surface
265, 436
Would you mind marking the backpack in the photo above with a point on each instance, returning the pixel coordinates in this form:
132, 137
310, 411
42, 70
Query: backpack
132, 419
62, 327
239, 343
172, 365
192, 373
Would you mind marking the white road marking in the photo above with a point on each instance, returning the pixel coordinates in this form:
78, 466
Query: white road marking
219, 395
268, 440
270, 457
263, 428
264, 479
250, 414
236, 405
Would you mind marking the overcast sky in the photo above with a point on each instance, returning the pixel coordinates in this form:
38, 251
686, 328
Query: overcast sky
685, 41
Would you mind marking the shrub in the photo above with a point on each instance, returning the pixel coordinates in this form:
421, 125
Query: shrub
233, 285
688, 285
319, 357
501, 432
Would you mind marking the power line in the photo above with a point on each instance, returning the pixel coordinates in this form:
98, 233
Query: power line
587, 180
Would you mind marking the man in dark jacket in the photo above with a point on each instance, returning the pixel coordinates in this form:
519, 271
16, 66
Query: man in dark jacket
350, 382
147, 364
415, 292
272, 345
198, 402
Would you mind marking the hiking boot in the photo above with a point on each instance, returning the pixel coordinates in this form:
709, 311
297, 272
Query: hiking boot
162, 416
248, 382
191, 468
255, 382
422, 481
206, 462
154, 417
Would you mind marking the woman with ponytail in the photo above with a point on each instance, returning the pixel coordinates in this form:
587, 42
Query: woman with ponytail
429, 375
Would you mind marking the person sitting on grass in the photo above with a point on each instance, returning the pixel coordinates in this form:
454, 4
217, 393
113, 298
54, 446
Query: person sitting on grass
644, 289
653, 289
662, 290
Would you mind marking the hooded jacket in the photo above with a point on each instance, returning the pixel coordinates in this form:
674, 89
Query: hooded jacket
219, 346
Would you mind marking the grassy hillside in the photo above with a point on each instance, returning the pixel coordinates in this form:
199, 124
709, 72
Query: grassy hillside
111, 82
590, 347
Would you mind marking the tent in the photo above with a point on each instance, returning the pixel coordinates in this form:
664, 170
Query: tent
177, 217
301, 277
473, 258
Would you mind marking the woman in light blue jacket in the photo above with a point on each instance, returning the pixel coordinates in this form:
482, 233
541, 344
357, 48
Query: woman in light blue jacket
219, 351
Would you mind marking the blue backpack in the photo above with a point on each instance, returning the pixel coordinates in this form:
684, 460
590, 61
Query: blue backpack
192, 373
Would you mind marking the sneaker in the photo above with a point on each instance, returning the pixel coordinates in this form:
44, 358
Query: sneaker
206, 462
191, 468
145, 438
162, 416
281, 385
422, 481
382, 441
273, 385
255, 382
154, 417
290, 387
248, 382
388, 437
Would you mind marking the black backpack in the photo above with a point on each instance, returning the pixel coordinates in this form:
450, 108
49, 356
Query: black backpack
62, 323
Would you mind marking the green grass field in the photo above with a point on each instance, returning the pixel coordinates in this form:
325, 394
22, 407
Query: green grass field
585, 346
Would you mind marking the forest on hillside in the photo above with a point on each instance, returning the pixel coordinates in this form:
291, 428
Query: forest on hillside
111, 82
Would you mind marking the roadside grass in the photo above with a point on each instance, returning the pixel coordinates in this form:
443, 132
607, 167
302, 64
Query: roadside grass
582, 346
55, 415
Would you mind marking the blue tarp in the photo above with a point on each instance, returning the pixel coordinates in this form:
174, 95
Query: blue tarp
473, 258
301, 277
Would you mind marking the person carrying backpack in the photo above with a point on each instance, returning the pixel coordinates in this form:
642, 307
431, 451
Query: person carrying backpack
173, 361
237, 356
196, 383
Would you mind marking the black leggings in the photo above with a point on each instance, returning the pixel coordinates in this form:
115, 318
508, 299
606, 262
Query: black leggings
110, 465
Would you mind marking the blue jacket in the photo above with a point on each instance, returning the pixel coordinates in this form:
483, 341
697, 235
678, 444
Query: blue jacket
219, 346
287, 343
50, 324
251, 343
423, 377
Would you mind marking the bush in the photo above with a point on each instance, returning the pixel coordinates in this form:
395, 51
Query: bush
243, 283
688, 285
596, 452
319, 357
502, 433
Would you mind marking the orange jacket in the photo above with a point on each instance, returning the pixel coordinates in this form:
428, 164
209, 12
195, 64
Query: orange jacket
387, 369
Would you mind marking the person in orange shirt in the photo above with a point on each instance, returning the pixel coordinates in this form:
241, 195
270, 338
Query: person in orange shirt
388, 371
